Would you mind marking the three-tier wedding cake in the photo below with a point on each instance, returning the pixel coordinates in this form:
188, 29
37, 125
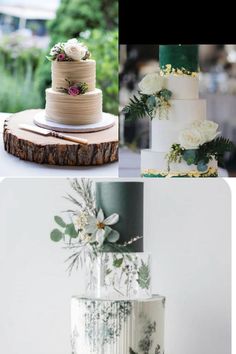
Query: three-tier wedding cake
183, 142
73, 98
118, 314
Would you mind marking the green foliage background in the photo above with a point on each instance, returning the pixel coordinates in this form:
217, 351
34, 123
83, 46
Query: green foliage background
25, 73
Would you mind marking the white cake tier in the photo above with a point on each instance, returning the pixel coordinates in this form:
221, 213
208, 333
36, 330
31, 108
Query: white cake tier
182, 86
120, 276
181, 114
82, 109
117, 327
154, 164
75, 71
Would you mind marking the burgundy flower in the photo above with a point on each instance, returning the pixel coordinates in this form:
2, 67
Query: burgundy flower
73, 91
61, 57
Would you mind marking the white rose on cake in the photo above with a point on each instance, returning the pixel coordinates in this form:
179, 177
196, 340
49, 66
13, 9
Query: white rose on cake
74, 49
207, 129
190, 138
151, 84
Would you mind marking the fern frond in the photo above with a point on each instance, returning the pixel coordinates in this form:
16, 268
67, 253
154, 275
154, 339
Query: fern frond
137, 108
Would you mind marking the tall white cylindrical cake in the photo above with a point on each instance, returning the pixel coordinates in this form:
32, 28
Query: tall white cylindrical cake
179, 70
119, 315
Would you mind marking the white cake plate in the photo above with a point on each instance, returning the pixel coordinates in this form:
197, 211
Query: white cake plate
108, 120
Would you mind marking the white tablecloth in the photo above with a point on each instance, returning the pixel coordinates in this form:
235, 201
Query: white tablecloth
11, 166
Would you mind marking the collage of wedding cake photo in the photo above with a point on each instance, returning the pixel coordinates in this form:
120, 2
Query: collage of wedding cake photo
117, 186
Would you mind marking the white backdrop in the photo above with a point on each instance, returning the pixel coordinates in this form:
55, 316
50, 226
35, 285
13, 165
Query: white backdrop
187, 230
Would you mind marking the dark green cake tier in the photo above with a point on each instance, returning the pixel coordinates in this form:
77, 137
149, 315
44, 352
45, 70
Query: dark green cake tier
179, 56
125, 199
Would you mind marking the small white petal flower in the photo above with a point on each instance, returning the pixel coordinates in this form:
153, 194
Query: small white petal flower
99, 229
100, 216
100, 236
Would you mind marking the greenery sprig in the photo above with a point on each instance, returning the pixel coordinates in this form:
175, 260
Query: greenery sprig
201, 156
148, 105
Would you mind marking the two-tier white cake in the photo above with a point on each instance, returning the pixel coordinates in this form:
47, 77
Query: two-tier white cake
72, 69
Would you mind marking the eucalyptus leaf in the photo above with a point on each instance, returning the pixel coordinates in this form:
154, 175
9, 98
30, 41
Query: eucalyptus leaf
56, 235
166, 94
113, 236
202, 166
71, 231
59, 221
151, 102
190, 156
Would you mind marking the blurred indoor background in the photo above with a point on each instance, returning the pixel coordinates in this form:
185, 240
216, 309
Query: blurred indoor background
28, 28
217, 85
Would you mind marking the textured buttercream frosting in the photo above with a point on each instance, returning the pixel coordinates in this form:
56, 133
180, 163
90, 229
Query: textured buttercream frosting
75, 71
75, 110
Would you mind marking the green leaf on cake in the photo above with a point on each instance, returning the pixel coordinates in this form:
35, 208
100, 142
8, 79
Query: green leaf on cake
138, 107
56, 235
189, 156
118, 262
202, 166
59, 221
113, 236
166, 94
151, 102
217, 148
144, 276
49, 58
108, 271
71, 231
131, 351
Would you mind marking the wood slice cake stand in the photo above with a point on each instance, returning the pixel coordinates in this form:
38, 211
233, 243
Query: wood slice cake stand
102, 146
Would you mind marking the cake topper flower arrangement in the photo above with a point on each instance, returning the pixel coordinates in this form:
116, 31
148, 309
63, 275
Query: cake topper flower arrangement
72, 50
87, 231
153, 100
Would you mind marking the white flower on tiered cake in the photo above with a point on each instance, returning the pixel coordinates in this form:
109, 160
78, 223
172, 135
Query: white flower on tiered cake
151, 84
75, 50
99, 228
207, 129
190, 138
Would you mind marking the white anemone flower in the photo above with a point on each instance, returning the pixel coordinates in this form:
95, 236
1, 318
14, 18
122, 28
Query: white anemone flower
99, 228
